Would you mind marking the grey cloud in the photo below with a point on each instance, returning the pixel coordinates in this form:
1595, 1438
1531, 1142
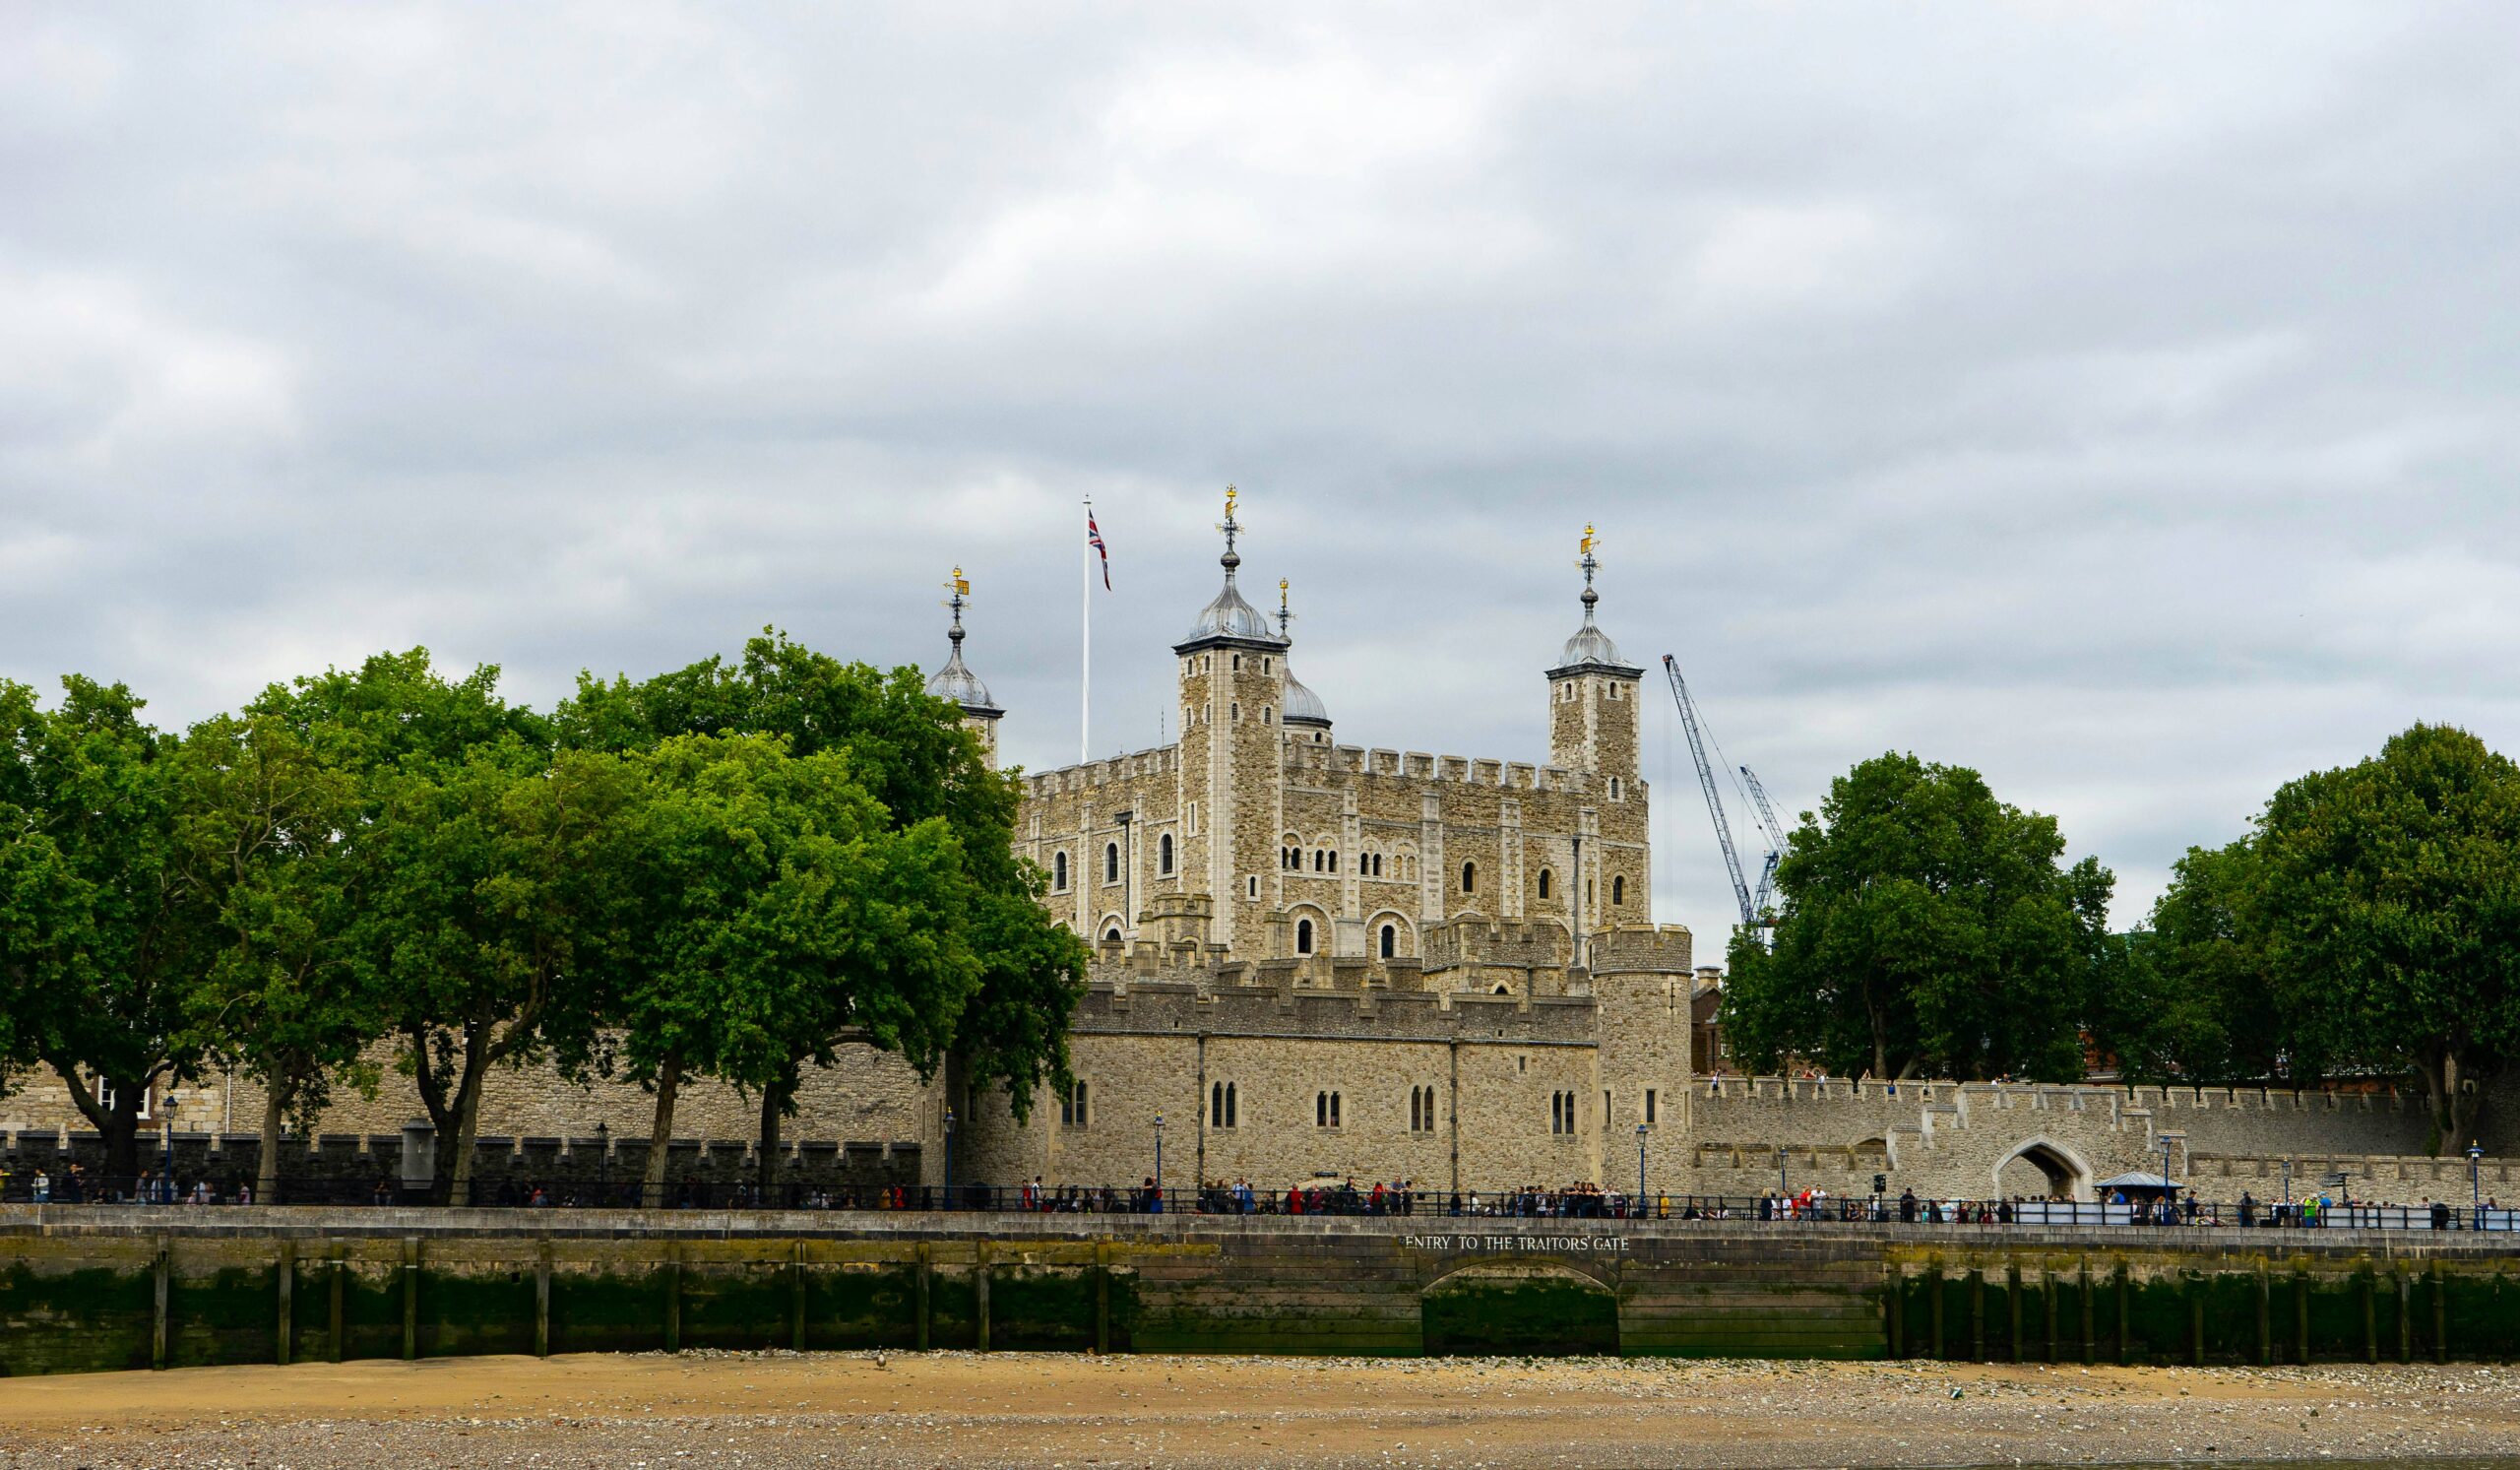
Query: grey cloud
2117, 397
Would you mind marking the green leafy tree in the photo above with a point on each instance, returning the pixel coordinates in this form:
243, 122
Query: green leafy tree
2188, 998
495, 891
269, 834
777, 910
1926, 926
2389, 894
504, 897
910, 752
97, 935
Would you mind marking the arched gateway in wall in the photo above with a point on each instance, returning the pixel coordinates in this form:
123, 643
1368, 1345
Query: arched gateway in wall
2043, 1168
1519, 1307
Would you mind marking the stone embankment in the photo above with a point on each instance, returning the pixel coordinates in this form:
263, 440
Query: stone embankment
106, 1288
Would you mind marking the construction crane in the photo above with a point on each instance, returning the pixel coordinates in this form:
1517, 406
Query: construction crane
1776, 840
1714, 800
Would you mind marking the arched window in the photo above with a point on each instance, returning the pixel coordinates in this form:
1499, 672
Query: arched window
1470, 877
1544, 882
1390, 938
1613, 788
1164, 853
1221, 1108
1072, 1107
1112, 935
1618, 890
1325, 1110
1303, 936
1058, 872
1111, 863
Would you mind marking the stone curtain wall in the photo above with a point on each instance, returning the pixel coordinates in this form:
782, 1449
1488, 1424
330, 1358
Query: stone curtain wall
114, 1289
1493, 1062
869, 1098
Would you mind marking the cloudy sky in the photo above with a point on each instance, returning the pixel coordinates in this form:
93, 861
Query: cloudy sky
2117, 398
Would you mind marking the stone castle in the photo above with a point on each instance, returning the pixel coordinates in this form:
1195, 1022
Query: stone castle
1316, 960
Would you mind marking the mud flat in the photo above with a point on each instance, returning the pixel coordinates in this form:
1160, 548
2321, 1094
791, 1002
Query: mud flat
1056, 1412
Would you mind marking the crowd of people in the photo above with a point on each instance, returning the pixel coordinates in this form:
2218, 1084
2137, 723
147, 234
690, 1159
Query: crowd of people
1332, 1196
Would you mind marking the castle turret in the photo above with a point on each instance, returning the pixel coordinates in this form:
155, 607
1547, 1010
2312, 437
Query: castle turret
1592, 698
1593, 727
1230, 665
1305, 716
956, 683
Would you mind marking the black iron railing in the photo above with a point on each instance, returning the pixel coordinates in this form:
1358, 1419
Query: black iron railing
36, 1186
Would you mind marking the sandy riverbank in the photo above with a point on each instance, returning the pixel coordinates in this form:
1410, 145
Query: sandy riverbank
963, 1409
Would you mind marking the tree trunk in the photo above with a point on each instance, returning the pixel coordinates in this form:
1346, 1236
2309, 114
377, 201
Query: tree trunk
651, 1189
267, 1169
117, 1127
2442, 1100
774, 1101
468, 1119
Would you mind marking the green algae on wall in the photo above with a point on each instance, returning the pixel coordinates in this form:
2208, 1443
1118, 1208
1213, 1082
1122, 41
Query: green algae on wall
75, 1317
1519, 1316
86, 1298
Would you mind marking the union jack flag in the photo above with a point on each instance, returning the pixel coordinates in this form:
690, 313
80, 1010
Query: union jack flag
1094, 538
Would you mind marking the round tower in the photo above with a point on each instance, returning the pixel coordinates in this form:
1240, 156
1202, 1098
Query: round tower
1305, 716
956, 683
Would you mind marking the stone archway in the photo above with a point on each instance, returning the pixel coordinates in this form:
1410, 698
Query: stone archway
1520, 1309
2052, 1172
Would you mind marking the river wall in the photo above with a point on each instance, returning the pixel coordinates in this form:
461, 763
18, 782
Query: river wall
118, 1288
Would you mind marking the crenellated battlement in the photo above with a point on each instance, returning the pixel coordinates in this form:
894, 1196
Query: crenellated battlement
1418, 766
1159, 760
1241, 1003
1643, 950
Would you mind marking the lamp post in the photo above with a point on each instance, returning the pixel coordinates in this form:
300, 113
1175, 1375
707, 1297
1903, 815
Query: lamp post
949, 1158
2169, 1205
2288, 1190
603, 1162
2476, 1182
167, 1175
1640, 1169
1780, 1186
1155, 1206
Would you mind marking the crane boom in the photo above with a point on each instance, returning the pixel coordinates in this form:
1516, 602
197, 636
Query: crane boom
1706, 779
1774, 836
1767, 817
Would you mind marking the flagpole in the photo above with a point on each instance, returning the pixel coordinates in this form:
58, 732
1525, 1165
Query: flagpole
1085, 682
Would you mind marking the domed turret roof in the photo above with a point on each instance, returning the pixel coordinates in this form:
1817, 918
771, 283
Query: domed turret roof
956, 682
1303, 707
1228, 615
1590, 647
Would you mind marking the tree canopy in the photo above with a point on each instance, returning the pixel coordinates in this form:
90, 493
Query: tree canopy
2388, 901
910, 752
731, 870
97, 935
1926, 926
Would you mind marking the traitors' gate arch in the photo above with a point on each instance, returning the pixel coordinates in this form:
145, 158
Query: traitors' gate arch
2043, 1168
1519, 1307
